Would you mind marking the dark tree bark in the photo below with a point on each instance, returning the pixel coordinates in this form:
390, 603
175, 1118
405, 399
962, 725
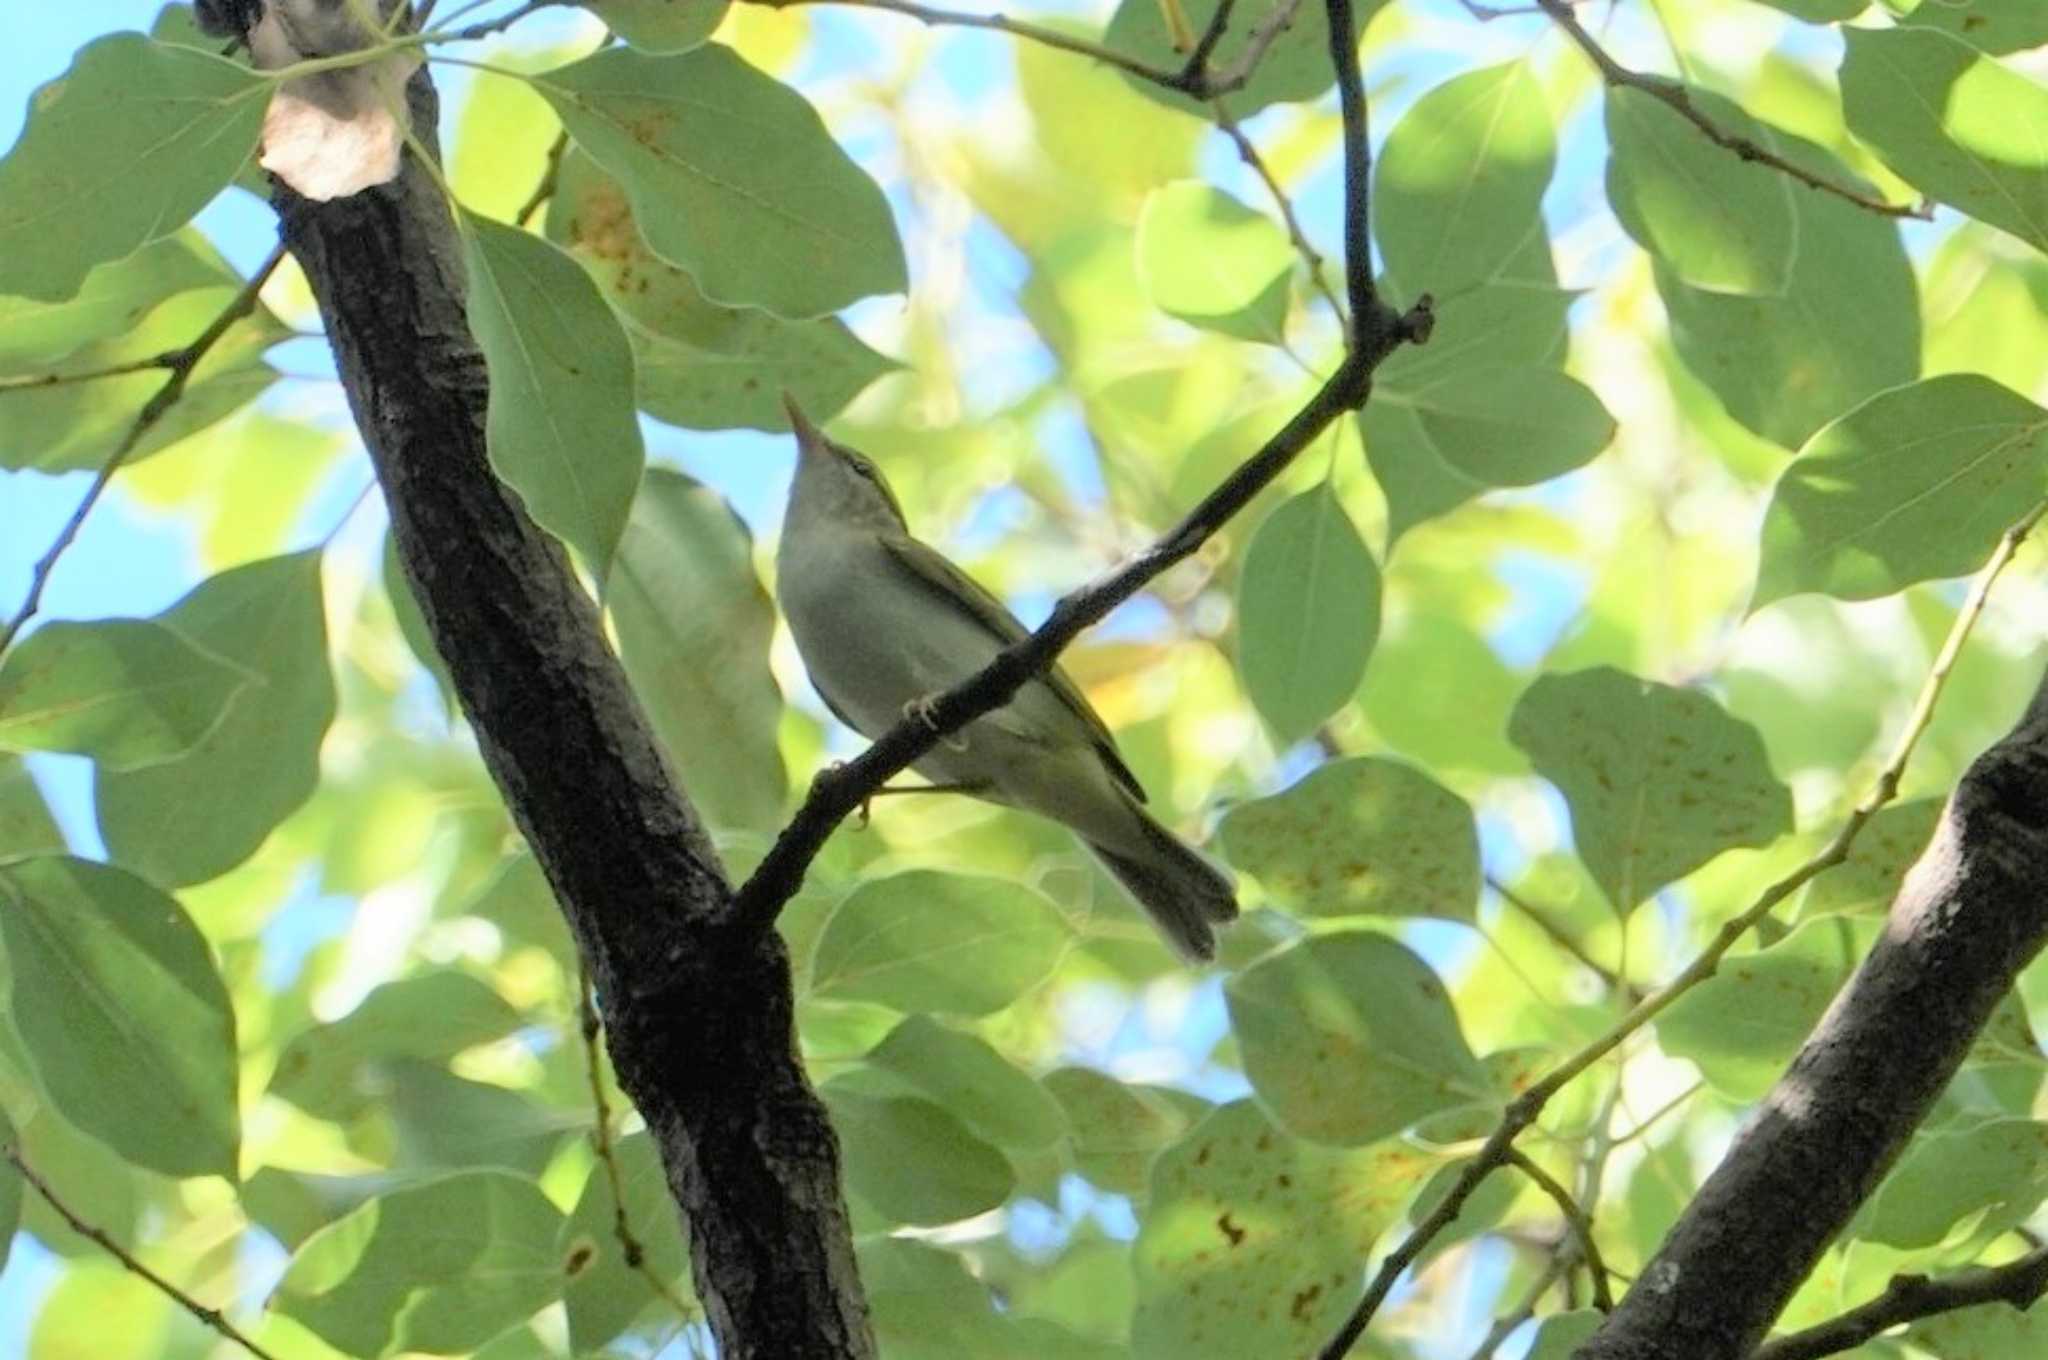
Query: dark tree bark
1970, 915
698, 1012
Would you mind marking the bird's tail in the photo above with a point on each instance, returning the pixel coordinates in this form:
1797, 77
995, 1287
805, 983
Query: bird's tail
1186, 896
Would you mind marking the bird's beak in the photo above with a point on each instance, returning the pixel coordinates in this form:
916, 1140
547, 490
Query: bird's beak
808, 436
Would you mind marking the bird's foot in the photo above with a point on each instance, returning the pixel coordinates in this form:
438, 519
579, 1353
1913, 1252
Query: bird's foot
925, 711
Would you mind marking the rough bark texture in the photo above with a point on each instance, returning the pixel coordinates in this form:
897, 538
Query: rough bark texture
698, 1013
1971, 914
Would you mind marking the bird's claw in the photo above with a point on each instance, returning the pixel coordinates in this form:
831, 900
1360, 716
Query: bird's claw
925, 710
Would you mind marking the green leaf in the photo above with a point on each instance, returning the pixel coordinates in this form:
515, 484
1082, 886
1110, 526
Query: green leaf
972, 1081
1846, 325
911, 1161
127, 692
1506, 322
26, 826
1253, 1243
1350, 1037
1308, 613
1360, 837
1116, 1128
560, 426
325, 1070
697, 364
733, 177
694, 626
1660, 780
1560, 1335
441, 1267
1295, 68
930, 941
1459, 186
192, 819
1437, 446
1209, 260
1955, 124
1869, 879
1915, 484
1742, 1025
1987, 1331
293, 1205
70, 427
1989, 25
925, 1305
442, 1120
1716, 221
122, 1012
660, 25
125, 147
35, 335
604, 1294
1998, 1169
10, 1191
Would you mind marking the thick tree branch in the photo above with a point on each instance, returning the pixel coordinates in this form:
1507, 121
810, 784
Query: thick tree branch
1674, 96
1377, 331
1970, 915
1912, 1297
698, 1016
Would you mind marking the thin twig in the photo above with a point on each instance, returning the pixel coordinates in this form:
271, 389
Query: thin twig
1377, 330
1581, 1226
31, 381
1909, 1297
601, 1137
180, 363
1557, 1266
631, 1250
1658, 1114
1197, 82
488, 27
1523, 1110
549, 175
208, 1317
1249, 154
1675, 97
1197, 67
1562, 938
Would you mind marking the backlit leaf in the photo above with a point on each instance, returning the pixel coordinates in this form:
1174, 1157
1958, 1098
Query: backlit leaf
1660, 780
127, 692
1458, 186
912, 1161
1915, 484
1360, 837
441, 1267
660, 25
1350, 1037
908, 941
1716, 221
1957, 125
1253, 1243
1742, 1025
1212, 262
1308, 606
603, 1294
121, 1009
694, 624
122, 149
560, 429
972, 1081
733, 177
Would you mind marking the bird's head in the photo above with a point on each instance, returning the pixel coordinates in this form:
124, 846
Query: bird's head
836, 484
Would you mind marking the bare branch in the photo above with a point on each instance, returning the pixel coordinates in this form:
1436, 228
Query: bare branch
1674, 96
1581, 1226
209, 1317
1910, 1297
180, 363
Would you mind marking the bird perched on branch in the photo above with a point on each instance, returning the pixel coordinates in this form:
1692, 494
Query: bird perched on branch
885, 622
334, 133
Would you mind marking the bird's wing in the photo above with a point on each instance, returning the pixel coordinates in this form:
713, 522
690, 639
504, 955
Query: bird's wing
930, 569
